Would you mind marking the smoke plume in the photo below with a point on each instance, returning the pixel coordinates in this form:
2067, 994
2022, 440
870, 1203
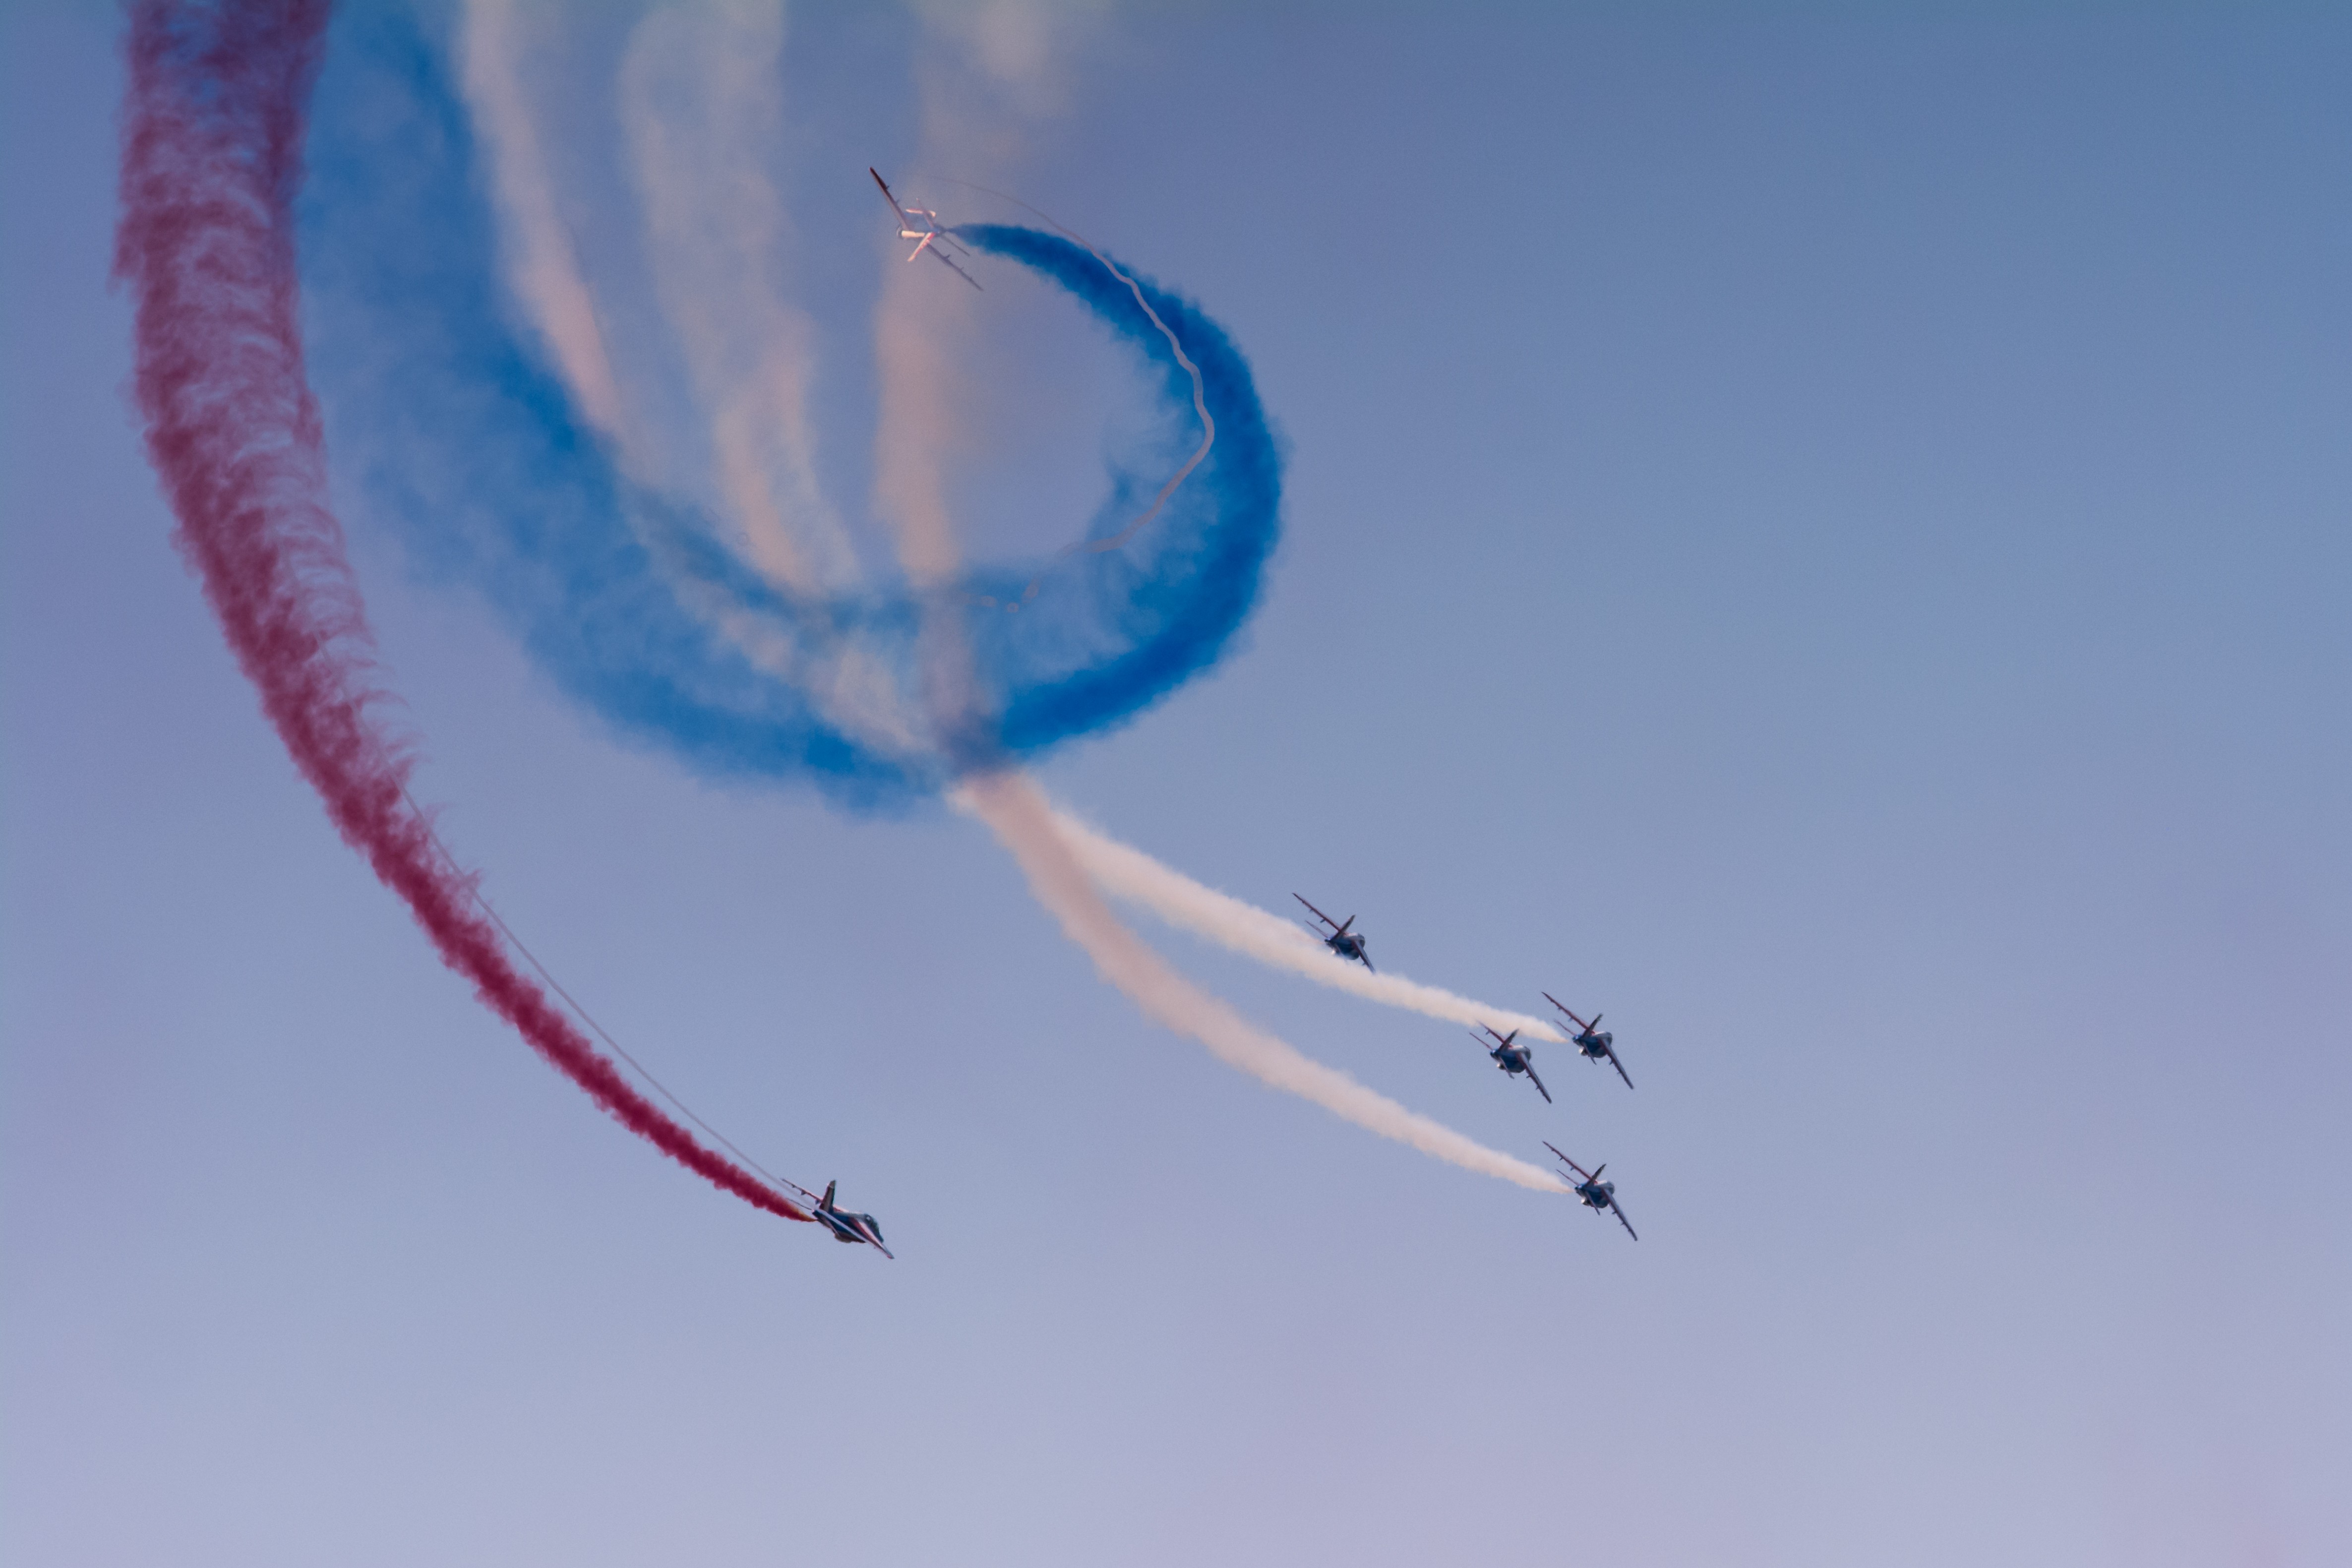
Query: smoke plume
211, 158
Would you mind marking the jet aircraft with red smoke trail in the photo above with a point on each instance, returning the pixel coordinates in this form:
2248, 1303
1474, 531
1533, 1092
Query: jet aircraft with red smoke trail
213, 133
847, 1226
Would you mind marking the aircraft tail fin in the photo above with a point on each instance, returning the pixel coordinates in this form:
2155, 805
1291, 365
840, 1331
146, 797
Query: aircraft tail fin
826, 1202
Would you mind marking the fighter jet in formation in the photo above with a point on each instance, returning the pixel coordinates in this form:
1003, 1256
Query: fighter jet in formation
1339, 941
846, 1226
922, 225
1596, 1193
1595, 1044
1513, 1058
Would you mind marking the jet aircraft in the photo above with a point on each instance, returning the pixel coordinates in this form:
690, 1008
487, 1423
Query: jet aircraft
922, 225
846, 1226
1339, 942
1596, 1193
1595, 1044
1514, 1058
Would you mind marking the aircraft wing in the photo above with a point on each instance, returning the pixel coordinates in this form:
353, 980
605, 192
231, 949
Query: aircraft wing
1621, 1217
1620, 1067
1319, 914
898, 213
949, 262
1539, 1083
1367, 960
1572, 1018
1566, 1161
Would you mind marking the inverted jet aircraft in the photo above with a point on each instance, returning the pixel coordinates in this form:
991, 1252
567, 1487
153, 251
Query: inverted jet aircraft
1588, 1038
1514, 1058
922, 225
1339, 941
1596, 1193
846, 1226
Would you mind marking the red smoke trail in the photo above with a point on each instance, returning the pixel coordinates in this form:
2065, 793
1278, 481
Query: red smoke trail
211, 156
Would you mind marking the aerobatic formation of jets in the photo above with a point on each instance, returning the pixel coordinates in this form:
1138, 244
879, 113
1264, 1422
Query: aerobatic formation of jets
922, 226
1514, 1058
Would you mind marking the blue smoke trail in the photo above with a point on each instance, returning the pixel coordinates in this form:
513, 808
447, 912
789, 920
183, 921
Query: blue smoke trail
466, 439
1167, 606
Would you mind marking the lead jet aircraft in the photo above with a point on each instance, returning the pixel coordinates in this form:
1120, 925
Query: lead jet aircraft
1596, 1046
1514, 1058
1596, 1193
1339, 942
846, 1226
922, 225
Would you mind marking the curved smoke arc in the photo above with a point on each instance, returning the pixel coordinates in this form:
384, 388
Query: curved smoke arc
212, 158
636, 602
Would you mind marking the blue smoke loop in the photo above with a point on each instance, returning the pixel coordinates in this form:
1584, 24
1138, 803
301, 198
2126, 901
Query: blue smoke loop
466, 439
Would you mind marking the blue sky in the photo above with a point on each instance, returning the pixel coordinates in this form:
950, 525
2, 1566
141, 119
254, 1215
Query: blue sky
1816, 530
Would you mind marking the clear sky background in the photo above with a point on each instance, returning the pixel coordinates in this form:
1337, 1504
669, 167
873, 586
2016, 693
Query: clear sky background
1820, 531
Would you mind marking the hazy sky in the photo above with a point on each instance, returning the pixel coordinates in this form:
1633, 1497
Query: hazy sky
1817, 531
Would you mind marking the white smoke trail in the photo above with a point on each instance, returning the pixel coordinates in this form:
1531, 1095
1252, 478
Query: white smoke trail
1127, 873
1016, 811
696, 101
699, 108
758, 387
542, 268
923, 421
